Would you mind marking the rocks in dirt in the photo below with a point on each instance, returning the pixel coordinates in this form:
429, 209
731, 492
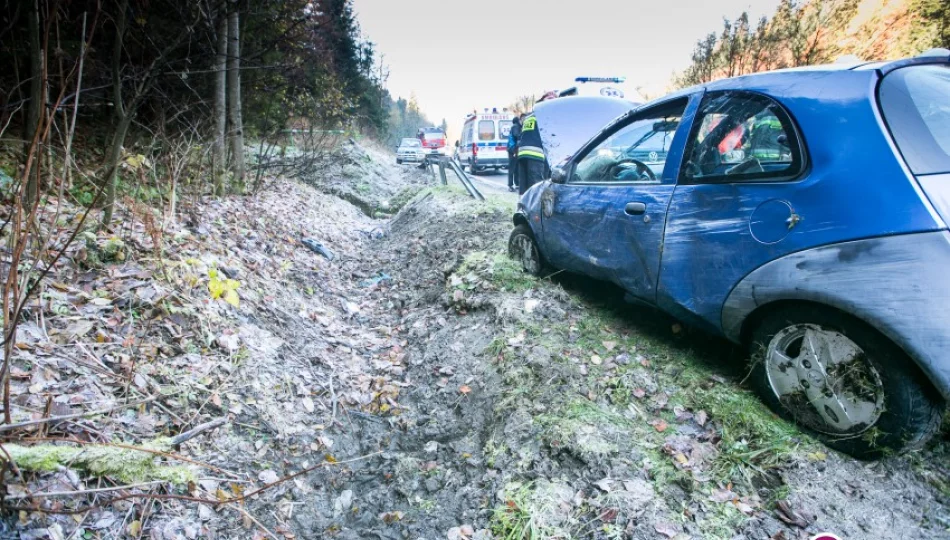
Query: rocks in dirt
467, 532
268, 476
539, 357
343, 503
318, 248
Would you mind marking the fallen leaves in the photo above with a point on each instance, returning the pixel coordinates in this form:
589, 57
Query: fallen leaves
391, 517
785, 512
465, 389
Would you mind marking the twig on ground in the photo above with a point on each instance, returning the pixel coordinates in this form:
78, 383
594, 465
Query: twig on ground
81, 492
11, 427
181, 438
254, 520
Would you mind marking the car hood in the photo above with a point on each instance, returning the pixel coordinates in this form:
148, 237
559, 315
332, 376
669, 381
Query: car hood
567, 123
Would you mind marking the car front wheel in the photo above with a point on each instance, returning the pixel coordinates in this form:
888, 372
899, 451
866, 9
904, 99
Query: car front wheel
843, 381
523, 247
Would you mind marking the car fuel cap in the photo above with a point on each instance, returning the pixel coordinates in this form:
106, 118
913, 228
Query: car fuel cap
772, 220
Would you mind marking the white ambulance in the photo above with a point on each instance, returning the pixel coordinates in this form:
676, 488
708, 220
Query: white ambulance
484, 141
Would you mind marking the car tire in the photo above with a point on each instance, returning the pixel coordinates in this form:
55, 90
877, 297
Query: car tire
523, 247
398, 162
891, 406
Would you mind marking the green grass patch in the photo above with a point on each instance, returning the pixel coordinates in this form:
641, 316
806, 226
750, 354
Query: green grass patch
532, 511
495, 268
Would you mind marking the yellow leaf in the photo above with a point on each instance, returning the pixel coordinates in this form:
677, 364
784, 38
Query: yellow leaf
232, 298
135, 528
331, 459
216, 287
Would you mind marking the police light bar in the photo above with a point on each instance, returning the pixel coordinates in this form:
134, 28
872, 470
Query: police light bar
616, 80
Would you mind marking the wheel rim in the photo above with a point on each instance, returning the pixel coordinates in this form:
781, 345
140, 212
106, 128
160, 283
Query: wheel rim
824, 380
527, 252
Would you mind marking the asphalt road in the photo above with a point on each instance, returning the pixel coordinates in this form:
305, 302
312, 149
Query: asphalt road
492, 181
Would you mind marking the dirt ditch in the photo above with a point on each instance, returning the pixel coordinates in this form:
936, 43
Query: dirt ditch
547, 409
439, 392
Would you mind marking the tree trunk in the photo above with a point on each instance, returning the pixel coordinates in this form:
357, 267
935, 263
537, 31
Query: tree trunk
234, 99
37, 98
219, 151
123, 117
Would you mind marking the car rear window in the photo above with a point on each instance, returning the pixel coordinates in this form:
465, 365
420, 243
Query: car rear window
433, 135
504, 128
410, 142
486, 130
916, 105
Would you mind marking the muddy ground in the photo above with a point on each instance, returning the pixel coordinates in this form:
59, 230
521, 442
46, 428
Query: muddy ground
444, 394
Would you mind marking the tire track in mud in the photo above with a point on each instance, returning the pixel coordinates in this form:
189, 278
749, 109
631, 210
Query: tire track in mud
432, 475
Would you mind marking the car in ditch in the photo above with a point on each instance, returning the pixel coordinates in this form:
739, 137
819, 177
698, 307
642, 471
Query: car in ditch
410, 151
802, 213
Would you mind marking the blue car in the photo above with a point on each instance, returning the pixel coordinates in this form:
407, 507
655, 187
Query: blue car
802, 213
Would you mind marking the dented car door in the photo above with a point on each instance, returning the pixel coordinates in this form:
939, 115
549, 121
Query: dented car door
606, 218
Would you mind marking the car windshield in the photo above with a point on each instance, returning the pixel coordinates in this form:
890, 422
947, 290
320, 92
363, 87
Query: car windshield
650, 137
917, 109
412, 143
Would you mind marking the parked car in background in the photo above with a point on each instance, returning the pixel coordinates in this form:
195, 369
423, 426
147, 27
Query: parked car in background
484, 142
432, 140
803, 213
410, 151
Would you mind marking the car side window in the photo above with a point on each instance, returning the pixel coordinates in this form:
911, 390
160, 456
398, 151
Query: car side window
634, 153
740, 136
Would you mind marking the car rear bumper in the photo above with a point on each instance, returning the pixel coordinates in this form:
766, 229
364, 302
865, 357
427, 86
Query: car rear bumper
493, 161
411, 158
897, 284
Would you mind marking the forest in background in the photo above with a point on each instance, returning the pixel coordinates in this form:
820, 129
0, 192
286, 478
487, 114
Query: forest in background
197, 83
809, 32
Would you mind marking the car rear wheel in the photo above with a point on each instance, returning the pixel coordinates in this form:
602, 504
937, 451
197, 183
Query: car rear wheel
523, 247
398, 161
843, 381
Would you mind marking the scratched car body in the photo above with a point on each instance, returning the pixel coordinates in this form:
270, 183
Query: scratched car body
802, 213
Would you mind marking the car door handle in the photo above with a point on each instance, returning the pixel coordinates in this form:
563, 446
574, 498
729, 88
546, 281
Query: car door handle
635, 209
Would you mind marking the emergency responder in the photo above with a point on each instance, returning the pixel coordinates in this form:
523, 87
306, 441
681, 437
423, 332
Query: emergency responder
531, 161
513, 137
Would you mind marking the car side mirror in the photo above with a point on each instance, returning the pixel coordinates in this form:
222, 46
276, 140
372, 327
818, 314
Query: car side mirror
559, 175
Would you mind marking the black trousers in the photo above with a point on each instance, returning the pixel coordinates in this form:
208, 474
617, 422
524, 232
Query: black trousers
530, 172
512, 170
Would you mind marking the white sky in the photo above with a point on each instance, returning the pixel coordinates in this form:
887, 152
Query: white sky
459, 55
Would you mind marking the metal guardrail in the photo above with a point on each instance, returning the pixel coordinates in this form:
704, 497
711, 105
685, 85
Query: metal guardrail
441, 163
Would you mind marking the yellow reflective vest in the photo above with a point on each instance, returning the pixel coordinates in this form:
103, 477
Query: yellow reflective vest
530, 144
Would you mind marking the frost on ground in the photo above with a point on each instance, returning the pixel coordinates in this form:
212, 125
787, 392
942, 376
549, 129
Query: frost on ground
434, 390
